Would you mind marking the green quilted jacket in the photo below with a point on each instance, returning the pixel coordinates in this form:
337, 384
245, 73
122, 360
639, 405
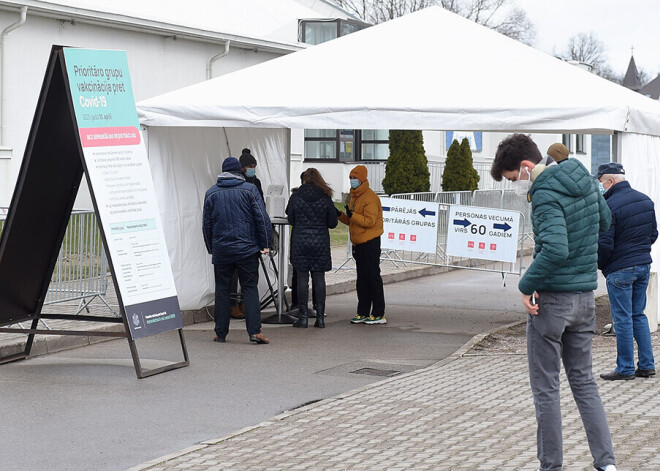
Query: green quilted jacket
568, 212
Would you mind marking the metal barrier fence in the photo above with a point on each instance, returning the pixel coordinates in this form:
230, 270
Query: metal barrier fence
494, 199
486, 182
81, 271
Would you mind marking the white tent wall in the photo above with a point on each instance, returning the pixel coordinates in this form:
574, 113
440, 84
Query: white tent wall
185, 162
640, 157
515, 89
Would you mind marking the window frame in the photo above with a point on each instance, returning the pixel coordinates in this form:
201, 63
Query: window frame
579, 144
567, 140
357, 145
302, 23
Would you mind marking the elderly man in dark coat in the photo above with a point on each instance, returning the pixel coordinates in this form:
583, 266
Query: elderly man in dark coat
311, 212
624, 256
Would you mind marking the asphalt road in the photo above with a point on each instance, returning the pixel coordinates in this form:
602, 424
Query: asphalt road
85, 409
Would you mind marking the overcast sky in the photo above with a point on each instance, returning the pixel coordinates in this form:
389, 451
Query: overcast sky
620, 24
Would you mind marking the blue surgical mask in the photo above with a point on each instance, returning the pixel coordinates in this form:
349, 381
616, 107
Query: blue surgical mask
355, 183
251, 172
601, 188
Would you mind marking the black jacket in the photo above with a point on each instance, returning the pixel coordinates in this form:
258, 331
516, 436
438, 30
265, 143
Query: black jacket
311, 212
634, 229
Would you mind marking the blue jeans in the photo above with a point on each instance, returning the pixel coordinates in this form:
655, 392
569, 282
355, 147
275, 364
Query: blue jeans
627, 292
248, 275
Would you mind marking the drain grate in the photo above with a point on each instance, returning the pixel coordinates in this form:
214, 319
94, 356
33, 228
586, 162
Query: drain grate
376, 372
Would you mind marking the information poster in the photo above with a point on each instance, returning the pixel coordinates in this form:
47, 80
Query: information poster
118, 170
409, 225
489, 234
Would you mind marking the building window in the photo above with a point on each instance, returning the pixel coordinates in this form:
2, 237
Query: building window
374, 144
346, 145
579, 144
567, 141
319, 31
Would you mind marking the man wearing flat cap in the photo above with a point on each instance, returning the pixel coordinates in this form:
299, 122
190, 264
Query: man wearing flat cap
236, 230
364, 217
558, 151
624, 256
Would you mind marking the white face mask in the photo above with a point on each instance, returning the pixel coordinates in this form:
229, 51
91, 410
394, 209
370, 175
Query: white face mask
522, 186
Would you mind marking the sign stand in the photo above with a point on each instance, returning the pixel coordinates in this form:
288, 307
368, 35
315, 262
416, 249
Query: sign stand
64, 143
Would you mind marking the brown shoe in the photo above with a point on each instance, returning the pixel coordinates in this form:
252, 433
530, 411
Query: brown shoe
259, 338
235, 313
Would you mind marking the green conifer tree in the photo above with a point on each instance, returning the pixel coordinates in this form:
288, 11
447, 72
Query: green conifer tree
407, 169
459, 173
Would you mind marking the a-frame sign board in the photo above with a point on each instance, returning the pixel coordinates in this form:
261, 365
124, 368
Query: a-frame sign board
86, 124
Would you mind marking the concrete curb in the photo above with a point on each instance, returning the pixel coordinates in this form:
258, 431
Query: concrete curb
45, 344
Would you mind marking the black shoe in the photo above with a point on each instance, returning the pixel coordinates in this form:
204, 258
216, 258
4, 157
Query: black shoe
219, 339
301, 322
614, 376
644, 373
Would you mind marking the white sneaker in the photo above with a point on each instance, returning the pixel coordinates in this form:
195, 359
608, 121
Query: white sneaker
609, 467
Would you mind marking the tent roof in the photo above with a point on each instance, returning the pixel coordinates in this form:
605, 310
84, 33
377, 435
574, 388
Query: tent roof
430, 70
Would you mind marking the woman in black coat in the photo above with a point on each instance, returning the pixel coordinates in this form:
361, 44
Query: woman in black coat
311, 212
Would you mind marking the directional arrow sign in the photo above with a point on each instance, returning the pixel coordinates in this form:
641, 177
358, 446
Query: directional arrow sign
505, 227
459, 222
425, 213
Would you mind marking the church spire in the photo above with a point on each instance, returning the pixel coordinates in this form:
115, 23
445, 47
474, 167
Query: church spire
631, 80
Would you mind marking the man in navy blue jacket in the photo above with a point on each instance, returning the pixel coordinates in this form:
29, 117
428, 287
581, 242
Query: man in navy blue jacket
624, 256
236, 229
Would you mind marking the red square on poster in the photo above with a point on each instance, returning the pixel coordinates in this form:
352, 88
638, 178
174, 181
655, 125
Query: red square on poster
402, 237
493, 246
390, 235
482, 245
471, 244
413, 238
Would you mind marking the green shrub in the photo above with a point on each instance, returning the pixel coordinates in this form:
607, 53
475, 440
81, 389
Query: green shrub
459, 173
407, 169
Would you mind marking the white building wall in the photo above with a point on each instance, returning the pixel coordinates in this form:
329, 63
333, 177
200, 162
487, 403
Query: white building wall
158, 62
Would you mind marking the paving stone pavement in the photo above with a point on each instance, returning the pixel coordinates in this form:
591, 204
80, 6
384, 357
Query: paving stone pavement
466, 412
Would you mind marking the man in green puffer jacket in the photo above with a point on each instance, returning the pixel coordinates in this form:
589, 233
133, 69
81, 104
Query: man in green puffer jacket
568, 212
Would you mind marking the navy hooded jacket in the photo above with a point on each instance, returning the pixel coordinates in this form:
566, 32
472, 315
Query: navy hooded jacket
235, 222
628, 241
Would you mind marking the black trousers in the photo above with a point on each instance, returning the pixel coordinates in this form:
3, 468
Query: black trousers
318, 290
369, 284
294, 291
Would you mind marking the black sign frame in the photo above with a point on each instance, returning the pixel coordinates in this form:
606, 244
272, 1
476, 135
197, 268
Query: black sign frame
50, 175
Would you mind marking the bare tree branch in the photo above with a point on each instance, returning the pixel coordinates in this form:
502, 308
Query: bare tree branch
490, 13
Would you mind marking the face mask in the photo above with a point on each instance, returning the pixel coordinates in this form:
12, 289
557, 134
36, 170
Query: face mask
355, 183
251, 172
521, 187
601, 188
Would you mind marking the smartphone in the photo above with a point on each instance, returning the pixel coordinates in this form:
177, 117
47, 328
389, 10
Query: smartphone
532, 300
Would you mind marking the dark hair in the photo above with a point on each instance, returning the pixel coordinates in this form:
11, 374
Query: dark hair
511, 151
313, 176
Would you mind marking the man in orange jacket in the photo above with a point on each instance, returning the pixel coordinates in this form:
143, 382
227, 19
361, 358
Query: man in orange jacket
364, 217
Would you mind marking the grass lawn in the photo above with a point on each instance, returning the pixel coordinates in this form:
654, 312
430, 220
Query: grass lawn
339, 235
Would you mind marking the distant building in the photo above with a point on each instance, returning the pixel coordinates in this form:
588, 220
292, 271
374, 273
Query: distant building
652, 89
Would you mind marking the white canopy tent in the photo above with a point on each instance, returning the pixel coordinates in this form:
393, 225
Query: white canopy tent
430, 70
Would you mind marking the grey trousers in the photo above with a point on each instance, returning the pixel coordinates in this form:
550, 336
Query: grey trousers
563, 330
